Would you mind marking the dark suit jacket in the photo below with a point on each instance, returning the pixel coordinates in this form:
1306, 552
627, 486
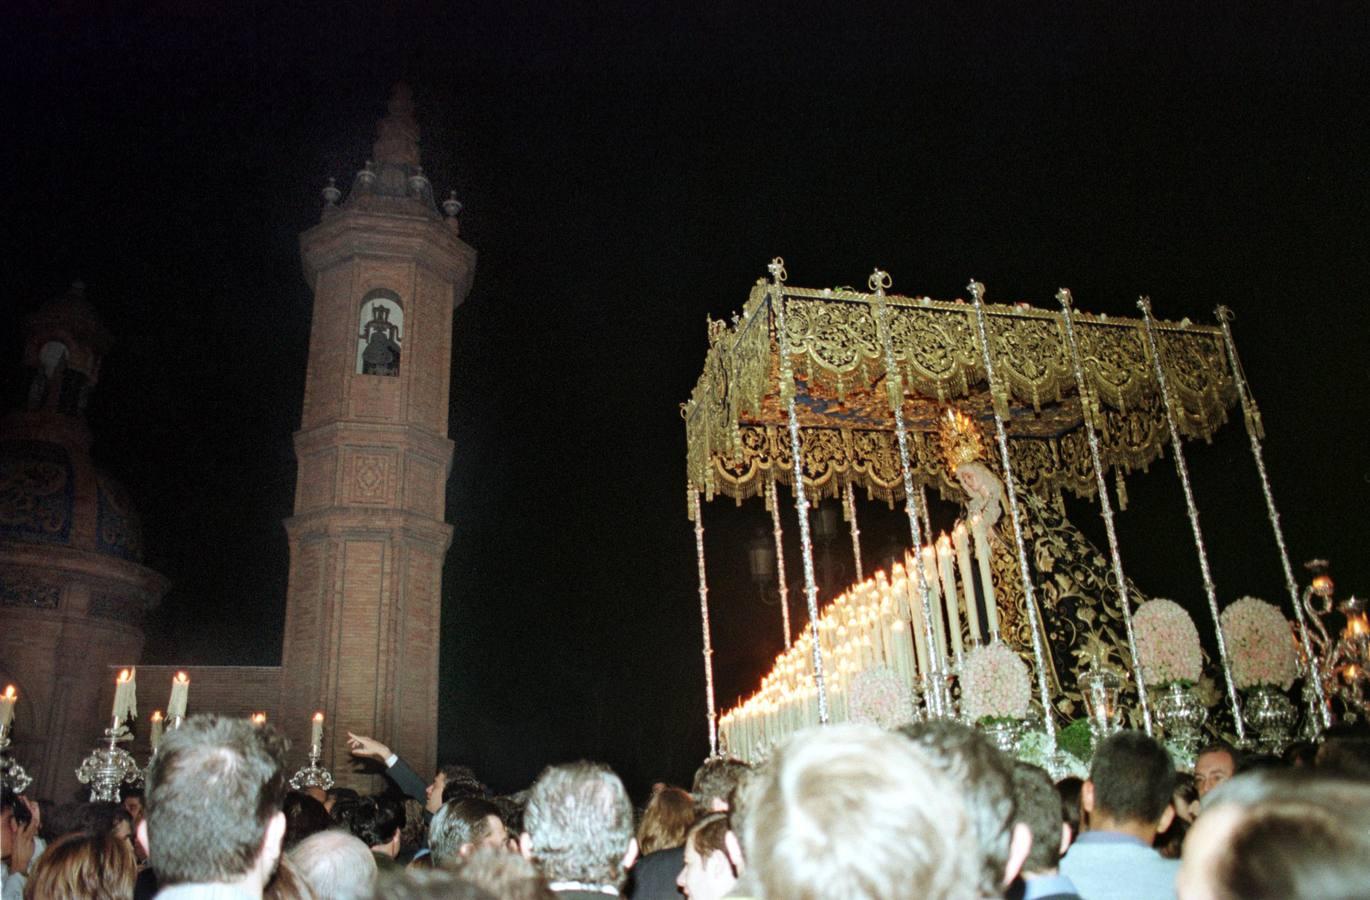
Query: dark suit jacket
653, 878
407, 780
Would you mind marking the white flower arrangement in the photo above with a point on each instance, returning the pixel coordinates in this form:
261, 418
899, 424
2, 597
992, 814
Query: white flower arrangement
1032, 749
1167, 643
879, 697
994, 684
1260, 644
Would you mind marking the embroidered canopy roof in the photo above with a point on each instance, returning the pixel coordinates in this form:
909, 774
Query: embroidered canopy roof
736, 420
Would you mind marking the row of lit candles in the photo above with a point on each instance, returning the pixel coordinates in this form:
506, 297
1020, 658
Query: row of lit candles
881, 621
126, 707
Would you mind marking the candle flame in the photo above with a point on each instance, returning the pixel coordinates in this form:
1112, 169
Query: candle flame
10, 693
318, 716
259, 718
124, 676
156, 715
182, 678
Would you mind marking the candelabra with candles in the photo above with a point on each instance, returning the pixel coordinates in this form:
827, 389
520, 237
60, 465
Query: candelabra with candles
12, 775
313, 774
109, 768
1344, 663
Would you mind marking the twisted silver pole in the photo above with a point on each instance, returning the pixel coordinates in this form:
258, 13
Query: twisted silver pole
1089, 406
773, 498
1144, 304
1251, 415
977, 292
923, 509
801, 500
934, 685
849, 497
704, 619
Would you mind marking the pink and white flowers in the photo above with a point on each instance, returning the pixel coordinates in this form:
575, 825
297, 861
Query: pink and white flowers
1167, 643
879, 697
995, 684
1260, 644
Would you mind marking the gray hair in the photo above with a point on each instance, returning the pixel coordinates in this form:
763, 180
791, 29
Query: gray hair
336, 865
851, 812
456, 823
579, 822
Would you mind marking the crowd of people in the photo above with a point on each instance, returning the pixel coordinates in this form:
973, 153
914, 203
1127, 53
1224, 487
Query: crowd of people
933, 810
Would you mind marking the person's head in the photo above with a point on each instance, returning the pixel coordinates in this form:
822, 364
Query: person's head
14, 815
1349, 756
415, 830
1069, 789
462, 826
1213, 765
288, 884
855, 812
1185, 797
712, 859
715, 782
1130, 782
429, 884
977, 480
334, 794
214, 794
984, 775
578, 825
1039, 808
453, 782
377, 822
91, 866
133, 803
1279, 833
335, 864
505, 875
667, 817
303, 816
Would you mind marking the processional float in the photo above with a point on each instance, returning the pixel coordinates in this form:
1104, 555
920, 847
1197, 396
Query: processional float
833, 390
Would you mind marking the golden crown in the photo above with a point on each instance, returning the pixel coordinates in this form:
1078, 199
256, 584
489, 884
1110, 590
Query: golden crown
960, 439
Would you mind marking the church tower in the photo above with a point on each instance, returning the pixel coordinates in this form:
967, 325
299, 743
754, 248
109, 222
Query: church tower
368, 537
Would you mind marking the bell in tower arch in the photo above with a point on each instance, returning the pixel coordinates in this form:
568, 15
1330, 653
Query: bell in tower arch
380, 343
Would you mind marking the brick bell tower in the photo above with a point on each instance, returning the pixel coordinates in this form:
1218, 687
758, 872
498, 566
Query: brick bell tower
368, 537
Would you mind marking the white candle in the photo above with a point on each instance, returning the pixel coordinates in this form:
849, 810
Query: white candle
949, 593
155, 735
125, 696
7, 700
962, 542
982, 554
920, 634
316, 734
180, 692
934, 606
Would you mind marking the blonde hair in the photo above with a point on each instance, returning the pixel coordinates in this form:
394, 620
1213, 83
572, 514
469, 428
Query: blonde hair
91, 866
850, 812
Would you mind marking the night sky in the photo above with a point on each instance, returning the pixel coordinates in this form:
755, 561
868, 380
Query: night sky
626, 173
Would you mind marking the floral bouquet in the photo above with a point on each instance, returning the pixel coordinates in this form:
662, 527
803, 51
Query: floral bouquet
879, 697
1260, 644
994, 684
1168, 644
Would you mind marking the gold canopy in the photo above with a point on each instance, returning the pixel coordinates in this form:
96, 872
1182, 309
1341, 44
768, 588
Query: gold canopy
736, 421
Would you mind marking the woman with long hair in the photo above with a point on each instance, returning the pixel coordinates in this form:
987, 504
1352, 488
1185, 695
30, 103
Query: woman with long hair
660, 837
90, 866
